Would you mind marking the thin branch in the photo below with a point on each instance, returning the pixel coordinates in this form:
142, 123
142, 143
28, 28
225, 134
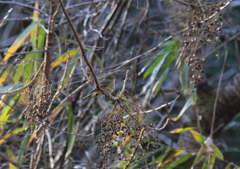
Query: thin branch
217, 95
47, 125
24, 5
5, 17
27, 85
151, 50
81, 47
85, 3
49, 40
124, 84
139, 122
137, 143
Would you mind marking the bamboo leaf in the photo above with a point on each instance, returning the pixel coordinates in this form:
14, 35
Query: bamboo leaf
19, 41
64, 57
185, 107
23, 148
180, 130
70, 138
16, 131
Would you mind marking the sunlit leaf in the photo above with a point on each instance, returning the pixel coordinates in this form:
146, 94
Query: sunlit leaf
3, 77
35, 12
170, 157
16, 131
6, 111
217, 153
198, 137
64, 57
19, 41
122, 164
185, 107
180, 160
186, 164
179, 130
56, 111
12, 157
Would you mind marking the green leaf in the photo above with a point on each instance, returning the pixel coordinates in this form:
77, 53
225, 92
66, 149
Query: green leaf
11, 156
122, 164
156, 66
7, 109
159, 66
194, 97
64, 57
16, 131
19, 41
160, 81
70, 137
217, 153
199, 156
185, 107
183, 75
28, 69
23, 148
147, 65
209, 163
153, 70
179, 130
151, 155
180, 160
186, 164
198, 137
171, 155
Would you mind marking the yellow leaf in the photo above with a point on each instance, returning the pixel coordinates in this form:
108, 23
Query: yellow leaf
179, 130
19, 41
64, 57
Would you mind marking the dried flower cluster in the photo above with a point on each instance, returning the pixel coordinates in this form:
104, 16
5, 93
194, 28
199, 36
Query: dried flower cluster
39, 98
202, 30
121, 134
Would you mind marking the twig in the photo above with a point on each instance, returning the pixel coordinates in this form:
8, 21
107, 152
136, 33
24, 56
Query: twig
24, 5
47, 125
124, 84
151, 50
85, 3
5, 17
103, 28
81, 47
217, 95
60, 87
139, 122
49, 40
154, 109
27, 85
138, 142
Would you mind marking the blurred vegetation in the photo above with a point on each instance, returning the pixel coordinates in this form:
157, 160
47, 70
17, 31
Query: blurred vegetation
176, 65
